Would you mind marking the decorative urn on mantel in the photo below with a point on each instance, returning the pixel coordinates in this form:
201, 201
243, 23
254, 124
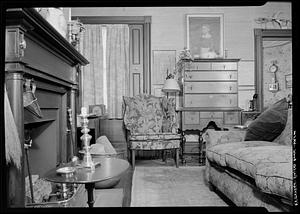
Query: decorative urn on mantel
55, 16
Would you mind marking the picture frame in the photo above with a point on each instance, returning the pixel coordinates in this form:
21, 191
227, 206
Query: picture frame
97, 110
164, 62
205, 35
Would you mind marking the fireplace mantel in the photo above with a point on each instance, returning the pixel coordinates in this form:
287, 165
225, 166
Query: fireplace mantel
35, 50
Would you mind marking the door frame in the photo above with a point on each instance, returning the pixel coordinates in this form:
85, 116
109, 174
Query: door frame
259, 36
142, 20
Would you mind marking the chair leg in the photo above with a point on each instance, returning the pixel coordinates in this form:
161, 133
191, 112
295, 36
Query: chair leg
177, 157
164, 155
128, 155
133, 158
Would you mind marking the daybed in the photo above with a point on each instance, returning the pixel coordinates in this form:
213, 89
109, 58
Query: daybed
254, 173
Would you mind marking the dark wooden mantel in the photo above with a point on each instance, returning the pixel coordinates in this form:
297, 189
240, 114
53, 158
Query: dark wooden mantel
35, 50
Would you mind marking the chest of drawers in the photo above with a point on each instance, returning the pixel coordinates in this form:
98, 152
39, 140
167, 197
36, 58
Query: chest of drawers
210, 93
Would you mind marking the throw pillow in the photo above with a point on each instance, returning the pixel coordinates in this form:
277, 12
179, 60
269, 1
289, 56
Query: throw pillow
286, 136
270, 124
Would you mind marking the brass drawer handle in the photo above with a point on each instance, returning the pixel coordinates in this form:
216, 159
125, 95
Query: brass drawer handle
188, 76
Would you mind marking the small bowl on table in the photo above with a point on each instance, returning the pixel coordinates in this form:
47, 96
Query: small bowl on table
66, 171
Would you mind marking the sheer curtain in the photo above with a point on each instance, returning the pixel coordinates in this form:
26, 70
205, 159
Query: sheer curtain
106, 79
117, 68
91, 47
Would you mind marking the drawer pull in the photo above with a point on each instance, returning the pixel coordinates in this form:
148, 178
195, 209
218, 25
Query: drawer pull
230, 88
188, 76
229, 76
191, 87
224, 66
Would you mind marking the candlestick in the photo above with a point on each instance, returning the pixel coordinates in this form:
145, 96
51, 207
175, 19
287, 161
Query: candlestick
85, 138
83, 111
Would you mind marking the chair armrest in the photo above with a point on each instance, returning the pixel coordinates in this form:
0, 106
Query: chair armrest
212, 137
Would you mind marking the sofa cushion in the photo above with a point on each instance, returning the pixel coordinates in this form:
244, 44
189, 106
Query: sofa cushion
153, 145
269, 124
217, 152
248, 160
276, 179
212, 137
160, 136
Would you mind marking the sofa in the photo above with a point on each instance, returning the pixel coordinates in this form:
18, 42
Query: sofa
254, 173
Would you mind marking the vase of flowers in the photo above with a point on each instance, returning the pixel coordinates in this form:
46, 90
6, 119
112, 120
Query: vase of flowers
184, 56
55, 16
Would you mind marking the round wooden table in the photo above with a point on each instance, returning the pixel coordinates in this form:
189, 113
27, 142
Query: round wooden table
107, 169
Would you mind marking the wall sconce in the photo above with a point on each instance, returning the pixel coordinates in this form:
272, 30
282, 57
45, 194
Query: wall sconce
74, 29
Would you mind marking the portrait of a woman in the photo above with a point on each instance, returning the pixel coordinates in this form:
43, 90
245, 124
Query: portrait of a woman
205, 36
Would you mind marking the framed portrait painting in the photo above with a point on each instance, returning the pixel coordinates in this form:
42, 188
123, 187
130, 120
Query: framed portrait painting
205, 35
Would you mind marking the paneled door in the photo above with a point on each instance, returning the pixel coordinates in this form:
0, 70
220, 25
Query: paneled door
136, 62
273, 65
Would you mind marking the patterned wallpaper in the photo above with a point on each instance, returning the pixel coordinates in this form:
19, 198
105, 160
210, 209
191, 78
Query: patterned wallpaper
279, 52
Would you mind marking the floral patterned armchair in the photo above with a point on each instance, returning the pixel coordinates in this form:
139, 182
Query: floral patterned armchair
151, 124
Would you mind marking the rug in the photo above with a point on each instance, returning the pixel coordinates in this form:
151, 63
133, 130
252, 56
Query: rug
159, 186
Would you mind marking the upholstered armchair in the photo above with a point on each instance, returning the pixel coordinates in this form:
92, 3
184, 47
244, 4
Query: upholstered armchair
151, 124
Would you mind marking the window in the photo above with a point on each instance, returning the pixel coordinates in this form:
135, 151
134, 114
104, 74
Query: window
106, 79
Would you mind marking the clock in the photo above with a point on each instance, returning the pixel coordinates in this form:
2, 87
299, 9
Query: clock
273, 68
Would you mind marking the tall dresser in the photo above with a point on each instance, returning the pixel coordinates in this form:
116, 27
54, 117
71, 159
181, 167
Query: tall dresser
210, 93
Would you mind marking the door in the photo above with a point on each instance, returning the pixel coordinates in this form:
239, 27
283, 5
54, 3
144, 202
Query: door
273, 65
136, 63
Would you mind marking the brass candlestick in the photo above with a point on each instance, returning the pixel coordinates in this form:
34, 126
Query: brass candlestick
85, 138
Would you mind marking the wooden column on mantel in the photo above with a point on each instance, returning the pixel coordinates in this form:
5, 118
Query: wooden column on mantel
35, 50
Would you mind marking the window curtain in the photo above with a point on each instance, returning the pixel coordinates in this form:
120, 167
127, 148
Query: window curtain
117, 68
91, 47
